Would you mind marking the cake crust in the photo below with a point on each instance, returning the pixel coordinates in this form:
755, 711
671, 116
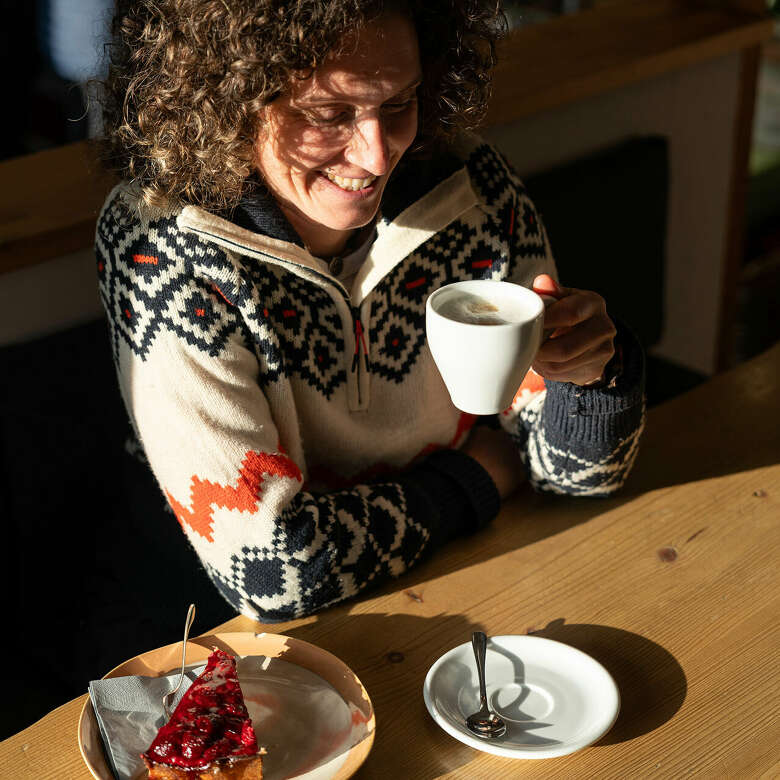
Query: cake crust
239, 769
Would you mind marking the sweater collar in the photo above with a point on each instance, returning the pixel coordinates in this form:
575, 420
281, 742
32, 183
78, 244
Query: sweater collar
421, 198
259, 212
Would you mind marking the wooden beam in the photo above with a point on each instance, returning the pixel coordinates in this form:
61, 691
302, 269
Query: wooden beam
49, 202
735, 218
576, 56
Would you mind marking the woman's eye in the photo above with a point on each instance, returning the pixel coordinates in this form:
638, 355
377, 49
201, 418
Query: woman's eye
324, 118
395, 108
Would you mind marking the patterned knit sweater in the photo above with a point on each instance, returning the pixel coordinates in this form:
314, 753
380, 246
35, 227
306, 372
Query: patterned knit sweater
300, 431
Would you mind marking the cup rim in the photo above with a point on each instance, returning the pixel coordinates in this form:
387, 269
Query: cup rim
493, 282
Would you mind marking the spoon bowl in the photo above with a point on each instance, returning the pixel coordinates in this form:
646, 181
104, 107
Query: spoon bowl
490, 726
484, 723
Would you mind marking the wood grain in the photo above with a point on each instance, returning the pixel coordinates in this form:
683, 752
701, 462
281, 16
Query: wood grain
672, 585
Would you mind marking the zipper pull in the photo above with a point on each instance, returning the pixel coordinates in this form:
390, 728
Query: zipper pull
361, 335
358, 328
357, 348
360, 345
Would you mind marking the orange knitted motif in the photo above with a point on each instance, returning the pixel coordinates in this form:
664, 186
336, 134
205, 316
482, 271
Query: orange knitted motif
245, 496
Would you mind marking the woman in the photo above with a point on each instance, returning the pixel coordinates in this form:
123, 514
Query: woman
297, 183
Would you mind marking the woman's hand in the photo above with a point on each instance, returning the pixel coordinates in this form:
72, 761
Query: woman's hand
582, 339
498, 455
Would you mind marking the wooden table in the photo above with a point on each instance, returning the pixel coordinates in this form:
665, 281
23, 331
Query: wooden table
673, 586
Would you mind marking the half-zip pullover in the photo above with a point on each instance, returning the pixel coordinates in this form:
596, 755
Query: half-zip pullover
298, 426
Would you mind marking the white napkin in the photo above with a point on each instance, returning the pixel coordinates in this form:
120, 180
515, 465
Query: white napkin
129, 713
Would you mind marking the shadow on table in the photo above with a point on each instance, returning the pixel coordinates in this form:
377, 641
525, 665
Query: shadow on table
652, 684
527, 518
665, 459
399, 649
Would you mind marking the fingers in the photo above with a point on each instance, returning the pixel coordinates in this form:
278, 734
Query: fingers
581, 370
576, 307
582, 342
593, 334
582, 339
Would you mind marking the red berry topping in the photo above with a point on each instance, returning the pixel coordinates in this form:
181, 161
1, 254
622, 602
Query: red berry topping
192, 746
248, 737
210, 723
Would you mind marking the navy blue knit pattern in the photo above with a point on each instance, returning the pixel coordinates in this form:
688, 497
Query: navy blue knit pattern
298, 329
583, 441
329, 547
146, 288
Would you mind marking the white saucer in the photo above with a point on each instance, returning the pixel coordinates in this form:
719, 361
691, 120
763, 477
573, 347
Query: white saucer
555, 699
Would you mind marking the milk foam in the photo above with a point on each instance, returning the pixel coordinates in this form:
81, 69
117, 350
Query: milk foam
478, 310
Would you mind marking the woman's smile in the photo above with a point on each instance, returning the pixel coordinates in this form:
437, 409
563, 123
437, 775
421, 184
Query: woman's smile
351, 184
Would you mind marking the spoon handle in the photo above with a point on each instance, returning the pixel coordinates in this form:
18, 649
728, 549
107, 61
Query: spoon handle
168, 697
479, 644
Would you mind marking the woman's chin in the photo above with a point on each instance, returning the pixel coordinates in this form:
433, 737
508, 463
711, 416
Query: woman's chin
346, 218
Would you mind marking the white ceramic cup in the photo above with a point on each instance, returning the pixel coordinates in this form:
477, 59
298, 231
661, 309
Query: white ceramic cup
484, 365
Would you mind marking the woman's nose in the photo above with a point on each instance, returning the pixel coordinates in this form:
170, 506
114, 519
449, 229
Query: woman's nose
368, 146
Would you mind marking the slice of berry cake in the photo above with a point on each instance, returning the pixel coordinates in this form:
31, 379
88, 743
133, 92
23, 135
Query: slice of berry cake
210, 734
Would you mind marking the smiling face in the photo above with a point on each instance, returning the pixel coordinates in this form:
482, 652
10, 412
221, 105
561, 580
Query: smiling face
328, 145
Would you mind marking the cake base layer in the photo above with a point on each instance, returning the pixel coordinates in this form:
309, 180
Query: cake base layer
242, 769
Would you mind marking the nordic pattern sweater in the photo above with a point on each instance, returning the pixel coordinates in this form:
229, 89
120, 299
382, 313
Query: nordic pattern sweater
300, 431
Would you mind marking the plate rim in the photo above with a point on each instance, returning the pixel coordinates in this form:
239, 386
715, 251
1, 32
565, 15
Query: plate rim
357, 753
497, 748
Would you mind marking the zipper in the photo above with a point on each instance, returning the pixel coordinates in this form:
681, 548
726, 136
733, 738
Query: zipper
360, 349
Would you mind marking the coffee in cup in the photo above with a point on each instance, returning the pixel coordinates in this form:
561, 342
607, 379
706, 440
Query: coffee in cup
483, 336
474, 309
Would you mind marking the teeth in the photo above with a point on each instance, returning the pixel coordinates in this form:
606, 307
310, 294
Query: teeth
350, 184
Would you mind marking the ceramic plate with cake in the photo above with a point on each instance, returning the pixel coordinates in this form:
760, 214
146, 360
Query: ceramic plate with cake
265, 706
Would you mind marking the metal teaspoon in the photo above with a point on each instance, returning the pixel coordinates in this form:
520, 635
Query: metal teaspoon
168, 697
484, 722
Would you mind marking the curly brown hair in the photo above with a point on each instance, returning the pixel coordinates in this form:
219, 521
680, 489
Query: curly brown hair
188, 80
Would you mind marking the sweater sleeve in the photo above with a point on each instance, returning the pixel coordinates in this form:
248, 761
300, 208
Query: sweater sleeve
274, 549
582, 440
573, 440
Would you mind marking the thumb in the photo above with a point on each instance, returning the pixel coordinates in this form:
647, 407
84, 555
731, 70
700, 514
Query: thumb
544, 284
